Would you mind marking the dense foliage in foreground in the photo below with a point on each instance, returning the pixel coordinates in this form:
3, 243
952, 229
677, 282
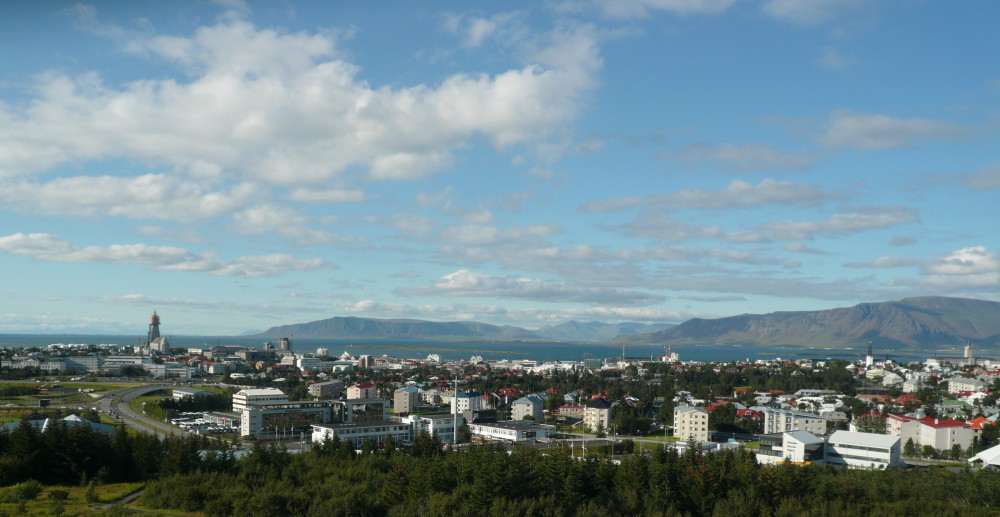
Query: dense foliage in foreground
486, 480
334, 479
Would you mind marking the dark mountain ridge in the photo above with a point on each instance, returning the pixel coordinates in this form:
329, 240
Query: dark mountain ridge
372, 328
908, 323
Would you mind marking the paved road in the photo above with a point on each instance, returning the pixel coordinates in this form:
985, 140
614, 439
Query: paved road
122, 411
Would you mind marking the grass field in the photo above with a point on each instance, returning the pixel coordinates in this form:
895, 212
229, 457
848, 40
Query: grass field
75, 504
136, 403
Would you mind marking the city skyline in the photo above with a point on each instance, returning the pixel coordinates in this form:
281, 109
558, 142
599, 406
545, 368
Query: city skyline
240, 165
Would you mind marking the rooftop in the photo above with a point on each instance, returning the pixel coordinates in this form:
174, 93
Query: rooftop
867, 439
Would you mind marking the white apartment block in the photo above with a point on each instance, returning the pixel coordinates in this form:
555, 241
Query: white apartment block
940, 433
406, 400
365, 390
691, 423
327, 389
783, 420
959, 383
597, 415
464, 401
531, 405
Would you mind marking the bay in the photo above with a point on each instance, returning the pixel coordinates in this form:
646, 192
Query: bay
489, 350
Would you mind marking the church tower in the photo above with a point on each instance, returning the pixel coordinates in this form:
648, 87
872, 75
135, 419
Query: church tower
154, 329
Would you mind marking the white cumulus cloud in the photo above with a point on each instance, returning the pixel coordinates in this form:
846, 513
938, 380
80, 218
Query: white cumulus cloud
866, 131
44, 246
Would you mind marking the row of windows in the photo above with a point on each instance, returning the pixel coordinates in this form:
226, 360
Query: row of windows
882, 450
369, 430
833, 454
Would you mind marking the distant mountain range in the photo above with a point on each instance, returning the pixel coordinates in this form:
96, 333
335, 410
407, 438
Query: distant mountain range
593, 331
915, 323
372, 328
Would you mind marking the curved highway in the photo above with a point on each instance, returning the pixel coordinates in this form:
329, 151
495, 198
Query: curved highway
116, 404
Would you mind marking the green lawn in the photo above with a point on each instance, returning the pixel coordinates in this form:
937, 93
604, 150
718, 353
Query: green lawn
75, 504
136, 403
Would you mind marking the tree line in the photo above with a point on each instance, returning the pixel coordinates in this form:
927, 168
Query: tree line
194, 474
334, 479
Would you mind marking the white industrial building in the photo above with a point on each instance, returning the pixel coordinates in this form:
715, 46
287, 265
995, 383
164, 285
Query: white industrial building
257, 397
357, 433
441, 425
798, 447
862, 450
283, 419
511, 432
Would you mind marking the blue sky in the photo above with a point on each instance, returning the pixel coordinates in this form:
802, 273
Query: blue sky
240, 165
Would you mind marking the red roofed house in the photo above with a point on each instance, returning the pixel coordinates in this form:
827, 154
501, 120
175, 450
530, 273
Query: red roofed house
714, 405
749, 413
365, 390
571, 411
979, 422
941, 434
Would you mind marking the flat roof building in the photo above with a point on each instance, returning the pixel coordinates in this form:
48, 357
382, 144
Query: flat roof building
375, 432
863, 450
258, 397
511, 431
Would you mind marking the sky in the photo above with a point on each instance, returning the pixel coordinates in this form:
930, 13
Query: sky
238, 165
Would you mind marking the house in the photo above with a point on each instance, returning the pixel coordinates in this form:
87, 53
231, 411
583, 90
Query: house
572, 411
530, 406
597, 414
862, 450
691, 423
942, 434
365, 390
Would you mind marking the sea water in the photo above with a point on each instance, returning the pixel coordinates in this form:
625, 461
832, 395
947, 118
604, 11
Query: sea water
489, 350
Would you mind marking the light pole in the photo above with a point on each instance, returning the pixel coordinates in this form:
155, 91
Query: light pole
454, 424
